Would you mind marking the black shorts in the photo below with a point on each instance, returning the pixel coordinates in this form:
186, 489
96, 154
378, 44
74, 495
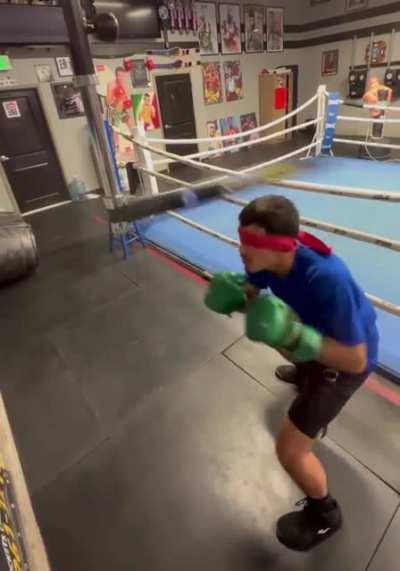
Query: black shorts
323, 392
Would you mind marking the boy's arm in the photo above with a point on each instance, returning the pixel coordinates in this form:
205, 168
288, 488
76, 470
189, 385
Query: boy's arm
349, 359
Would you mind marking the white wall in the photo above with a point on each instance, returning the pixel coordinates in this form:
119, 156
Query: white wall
6, 201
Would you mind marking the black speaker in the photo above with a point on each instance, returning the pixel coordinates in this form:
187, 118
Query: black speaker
392, 80
357, 83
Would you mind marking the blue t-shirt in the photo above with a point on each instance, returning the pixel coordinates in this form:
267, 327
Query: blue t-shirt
324, 294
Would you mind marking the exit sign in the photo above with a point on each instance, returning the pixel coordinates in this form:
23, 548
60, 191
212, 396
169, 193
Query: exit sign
5, 64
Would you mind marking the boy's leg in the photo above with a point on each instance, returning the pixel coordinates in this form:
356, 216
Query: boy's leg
323, 397
294, 450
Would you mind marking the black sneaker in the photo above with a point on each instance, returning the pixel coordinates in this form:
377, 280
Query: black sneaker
288, 374
305, 529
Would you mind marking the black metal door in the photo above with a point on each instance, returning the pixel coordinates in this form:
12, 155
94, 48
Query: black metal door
177, 112
27, 151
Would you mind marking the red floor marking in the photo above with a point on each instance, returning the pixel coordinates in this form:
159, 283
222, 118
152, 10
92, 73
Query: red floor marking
378, 388
98, 219
176, 265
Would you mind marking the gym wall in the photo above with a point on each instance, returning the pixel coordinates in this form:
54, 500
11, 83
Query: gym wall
6, 201
311, 59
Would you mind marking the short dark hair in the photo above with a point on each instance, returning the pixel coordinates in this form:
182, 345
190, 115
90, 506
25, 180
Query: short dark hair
120, 69
275, 214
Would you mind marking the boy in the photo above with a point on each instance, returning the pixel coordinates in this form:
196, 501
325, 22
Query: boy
332, 336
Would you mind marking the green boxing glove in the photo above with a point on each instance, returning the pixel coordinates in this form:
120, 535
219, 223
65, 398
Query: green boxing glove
271, 321
225, 293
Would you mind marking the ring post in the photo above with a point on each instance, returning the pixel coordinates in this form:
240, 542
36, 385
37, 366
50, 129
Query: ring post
321, 115
144, 160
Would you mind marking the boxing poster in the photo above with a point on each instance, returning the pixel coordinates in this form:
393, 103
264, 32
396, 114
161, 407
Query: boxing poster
213, 131
115, 90
254, 28
229, 15
248, 121
230, 126
206, 18
233, 80
275, 29
146, 111
212, 85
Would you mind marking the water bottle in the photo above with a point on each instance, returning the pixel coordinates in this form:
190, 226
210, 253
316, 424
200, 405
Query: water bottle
77, 189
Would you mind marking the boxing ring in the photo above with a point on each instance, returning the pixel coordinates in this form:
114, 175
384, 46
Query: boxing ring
349, 202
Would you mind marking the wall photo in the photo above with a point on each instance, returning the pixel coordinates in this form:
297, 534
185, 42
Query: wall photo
213, 131
254, 28
206, 15
212, 84
139, 74
230, 126
145, 106
230, 25
330, 62
233, 80
275, 29
248, 121
68, 100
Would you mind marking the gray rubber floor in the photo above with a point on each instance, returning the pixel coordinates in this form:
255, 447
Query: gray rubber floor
146, 424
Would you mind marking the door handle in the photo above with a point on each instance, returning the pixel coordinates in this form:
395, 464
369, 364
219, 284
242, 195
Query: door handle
4, 158
167, 126
32, 167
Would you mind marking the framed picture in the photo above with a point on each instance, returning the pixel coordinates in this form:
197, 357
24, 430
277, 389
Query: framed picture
330, 62
230, 126
352, 5
145, 109
68, 100
64, 66
248, 121
230, 25
275, 33
206, 15
254, 28
233, 80
212, 84
44, 73
140, 74
213, 131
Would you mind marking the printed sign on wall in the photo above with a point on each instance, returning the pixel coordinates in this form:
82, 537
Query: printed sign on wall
11, 109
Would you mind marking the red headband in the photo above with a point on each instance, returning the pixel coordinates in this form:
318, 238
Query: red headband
282, 243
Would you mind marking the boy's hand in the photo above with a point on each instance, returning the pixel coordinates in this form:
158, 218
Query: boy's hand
273, 322
226, 293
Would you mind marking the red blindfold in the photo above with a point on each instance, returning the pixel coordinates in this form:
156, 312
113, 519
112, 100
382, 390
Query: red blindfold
283, 243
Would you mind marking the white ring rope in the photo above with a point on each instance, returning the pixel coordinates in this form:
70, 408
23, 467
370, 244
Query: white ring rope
215, 152
378, 106
237, 135
339, 230
242, 173
374, 239
367, 143
377, 301
366, 119
337, 190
